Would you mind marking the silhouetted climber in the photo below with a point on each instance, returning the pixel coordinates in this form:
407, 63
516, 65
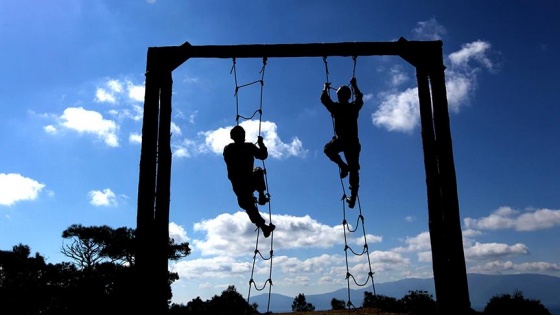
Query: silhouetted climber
345, 117
245, 178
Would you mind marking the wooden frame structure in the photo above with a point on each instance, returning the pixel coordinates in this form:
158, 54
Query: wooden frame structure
449, 267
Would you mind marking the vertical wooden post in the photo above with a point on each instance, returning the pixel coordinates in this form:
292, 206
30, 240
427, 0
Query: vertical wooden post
435, 215
450, 275
163, 289
152, 233
459, 301
147, 189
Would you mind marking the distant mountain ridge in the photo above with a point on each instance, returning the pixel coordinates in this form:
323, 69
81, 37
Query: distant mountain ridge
481, 289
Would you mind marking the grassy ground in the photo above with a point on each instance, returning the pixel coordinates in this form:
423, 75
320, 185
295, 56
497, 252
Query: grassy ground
359, 311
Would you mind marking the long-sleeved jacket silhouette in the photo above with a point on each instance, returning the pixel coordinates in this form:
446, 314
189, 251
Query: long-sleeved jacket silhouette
345, 116
245, 178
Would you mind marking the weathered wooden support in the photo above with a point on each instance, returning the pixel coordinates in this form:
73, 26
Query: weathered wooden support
458, 301
435, 217
152, 231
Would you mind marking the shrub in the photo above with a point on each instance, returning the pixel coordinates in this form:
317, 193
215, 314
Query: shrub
382, 302
338, 304
514, 304
300, 305
419, 303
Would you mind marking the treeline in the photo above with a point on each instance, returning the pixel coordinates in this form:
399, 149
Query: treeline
101, 278
414, 303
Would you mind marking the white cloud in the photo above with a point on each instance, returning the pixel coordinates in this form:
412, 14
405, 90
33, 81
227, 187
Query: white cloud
15, 187
104, 96
103, 197
399, 110
291, 232
214, 141
538, 220
90, 122
471, 233
135, 92
108, 95
115, 90
177, 233
459, 87
429, 30
508, 218
134, 112
115, 86
425, 256
487, 251
50, 129
186, 148
212, 268
398, 77
135, 138
175, 130
420, 242
500, 267
477, 50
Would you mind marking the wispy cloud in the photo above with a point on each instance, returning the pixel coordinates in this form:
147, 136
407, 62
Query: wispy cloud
508, 218
480, 251
115, 90
476, 50
125, 99
429, 30
502, 267
399, 110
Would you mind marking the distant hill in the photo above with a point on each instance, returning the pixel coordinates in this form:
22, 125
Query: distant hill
481, 289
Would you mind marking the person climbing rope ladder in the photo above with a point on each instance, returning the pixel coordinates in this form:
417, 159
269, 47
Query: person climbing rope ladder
345, 119
245, 178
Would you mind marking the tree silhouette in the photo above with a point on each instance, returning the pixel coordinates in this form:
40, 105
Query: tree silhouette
337, 304
96, 244
230, 302
382, 302
300, 305
87, 244
419, 303
514, 304
23, 276
101, 277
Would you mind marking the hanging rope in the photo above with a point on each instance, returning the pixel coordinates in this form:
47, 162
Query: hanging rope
354, 59
257, 252
329, 89
347, 229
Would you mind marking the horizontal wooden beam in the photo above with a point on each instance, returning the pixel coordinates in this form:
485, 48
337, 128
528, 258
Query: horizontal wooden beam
176, 55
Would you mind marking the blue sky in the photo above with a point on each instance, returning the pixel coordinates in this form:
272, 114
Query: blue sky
71, 102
